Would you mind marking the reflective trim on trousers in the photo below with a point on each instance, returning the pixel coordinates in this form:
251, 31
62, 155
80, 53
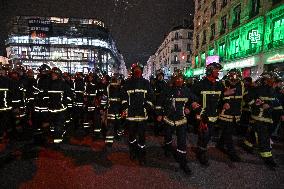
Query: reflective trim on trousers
97, 130
167, 143
86, 125
141, 146
247, 143
265, 154
132, 142
57, 141
181, 151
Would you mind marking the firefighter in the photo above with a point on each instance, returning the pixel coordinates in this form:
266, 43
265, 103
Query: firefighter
114, 110
40, 114
159, 85
101, 111
137, 97
246, 121
31, 89
176, 102
245, 116
263, 105
209, 92
78, 110
59, 95
69, 114
18, 104
231, 112
7, 88
92, 105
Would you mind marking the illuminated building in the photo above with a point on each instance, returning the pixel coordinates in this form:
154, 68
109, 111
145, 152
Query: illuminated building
244, 34
174, 53
72, 44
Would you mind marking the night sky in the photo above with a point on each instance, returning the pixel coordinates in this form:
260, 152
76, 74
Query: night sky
138, 26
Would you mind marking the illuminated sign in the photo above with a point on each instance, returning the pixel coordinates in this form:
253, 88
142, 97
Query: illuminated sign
240, 64
211, 59
199, 71
276, 58
254, 36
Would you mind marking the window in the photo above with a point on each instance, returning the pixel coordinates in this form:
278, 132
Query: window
278, 30
175, 58
235, 45
237, 16
224, 3
213, 8
222, 50
176, 35
211, 52
176, 47
205, 18
212, 31
188, 47
198, 4
188, 58
203, 59
196, 61
223, 24
255, 4
204, 37
197, 41
276, 2
189, 35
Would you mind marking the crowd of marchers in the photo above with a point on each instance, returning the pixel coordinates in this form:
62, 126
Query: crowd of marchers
54, 106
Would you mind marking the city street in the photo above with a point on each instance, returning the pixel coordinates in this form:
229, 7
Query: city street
82, 164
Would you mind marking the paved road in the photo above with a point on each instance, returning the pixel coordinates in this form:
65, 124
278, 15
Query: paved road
82, 165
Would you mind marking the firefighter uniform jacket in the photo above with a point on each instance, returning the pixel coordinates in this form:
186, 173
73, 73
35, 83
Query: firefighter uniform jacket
41, 94
59, 95
79, 89
102, 95
159, 86
114, 101
267, 95
174, 100
137, 97
235, 102
7, 87
18, 99
209, 95
31, 89
91, 93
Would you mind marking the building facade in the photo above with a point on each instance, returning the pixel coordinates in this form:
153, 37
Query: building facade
244, 34
174, 53
72, 44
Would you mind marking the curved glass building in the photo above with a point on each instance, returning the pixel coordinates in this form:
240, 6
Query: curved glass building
72, 44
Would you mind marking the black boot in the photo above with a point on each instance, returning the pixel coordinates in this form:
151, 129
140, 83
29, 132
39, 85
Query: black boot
220, 147
247, 148
168, 149
234, 157
142, 156
203, 157
269, 161
181, 158
133, 151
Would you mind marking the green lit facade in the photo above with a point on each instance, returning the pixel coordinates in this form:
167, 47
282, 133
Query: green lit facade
256, 41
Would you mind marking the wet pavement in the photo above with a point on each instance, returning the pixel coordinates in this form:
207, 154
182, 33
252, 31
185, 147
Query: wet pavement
83, 164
